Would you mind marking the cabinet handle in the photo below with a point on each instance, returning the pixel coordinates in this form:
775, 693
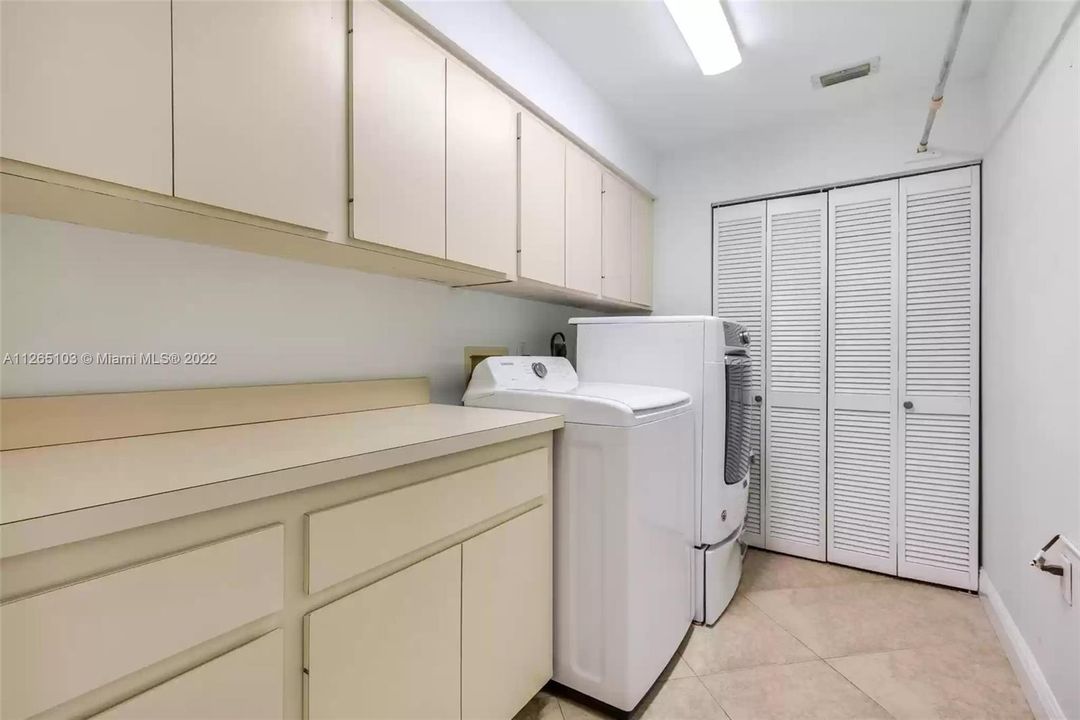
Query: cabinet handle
908, 405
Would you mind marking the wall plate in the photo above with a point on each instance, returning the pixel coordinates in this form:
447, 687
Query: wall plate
1067, 579
476, 354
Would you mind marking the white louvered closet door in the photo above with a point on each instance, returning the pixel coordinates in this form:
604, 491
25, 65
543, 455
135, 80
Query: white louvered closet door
939, 381
795, 375
863, 380
739, 295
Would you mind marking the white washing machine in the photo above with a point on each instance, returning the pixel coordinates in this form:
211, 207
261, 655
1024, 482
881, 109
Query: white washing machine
706, 357
623, 528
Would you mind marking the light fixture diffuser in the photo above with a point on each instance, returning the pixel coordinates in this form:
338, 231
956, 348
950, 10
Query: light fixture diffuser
706, 30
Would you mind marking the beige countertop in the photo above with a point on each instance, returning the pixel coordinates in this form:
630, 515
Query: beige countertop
45, 481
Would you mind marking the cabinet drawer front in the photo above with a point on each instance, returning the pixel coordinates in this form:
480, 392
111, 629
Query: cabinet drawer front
389, 650
61, 644
350, 539
245, 683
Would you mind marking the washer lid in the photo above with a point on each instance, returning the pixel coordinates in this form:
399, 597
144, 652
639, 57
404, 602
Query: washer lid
551, 385
640, 319
594, 403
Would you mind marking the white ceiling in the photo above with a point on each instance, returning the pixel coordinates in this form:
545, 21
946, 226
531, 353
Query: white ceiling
632, 54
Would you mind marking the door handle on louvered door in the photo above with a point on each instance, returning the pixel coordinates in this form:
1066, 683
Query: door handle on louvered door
908, 405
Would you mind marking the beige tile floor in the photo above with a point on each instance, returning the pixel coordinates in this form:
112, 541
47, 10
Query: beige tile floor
804, 639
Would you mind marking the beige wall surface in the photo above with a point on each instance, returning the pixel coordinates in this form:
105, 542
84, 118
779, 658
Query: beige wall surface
65, 288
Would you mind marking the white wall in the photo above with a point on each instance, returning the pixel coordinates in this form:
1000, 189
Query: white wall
877, 141
65, 288
498, 38
1031, 339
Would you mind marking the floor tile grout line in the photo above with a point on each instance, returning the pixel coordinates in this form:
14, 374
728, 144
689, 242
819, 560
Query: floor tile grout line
715, 699
776, 622
712, 697
858, 689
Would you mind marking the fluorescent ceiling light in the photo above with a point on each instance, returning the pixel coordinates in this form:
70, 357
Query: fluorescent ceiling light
705, 28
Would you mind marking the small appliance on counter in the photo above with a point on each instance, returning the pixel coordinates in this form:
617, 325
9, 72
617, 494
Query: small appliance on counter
623, 531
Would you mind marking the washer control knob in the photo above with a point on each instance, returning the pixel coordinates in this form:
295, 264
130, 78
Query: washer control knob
744, 337
540, 369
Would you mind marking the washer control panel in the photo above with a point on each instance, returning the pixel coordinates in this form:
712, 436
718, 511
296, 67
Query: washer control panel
527, 373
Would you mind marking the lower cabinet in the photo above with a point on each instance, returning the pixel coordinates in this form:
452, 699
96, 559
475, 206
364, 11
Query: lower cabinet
244, 683
464, 633
389, 650
506, 615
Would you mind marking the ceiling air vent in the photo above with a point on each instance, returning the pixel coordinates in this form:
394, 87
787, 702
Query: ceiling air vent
853, 72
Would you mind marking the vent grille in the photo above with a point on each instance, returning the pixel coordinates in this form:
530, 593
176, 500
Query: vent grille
846, 74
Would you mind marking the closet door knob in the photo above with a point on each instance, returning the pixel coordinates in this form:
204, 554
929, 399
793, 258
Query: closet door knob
757, 398
908, 405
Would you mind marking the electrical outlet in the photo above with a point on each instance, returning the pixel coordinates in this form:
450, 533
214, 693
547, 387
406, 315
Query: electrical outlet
1067, 578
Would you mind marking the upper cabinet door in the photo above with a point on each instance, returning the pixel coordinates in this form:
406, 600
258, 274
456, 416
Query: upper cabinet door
583, 213
398, 133
641, 234
542, 244
615, 229
86, 89
253, 107
481, 172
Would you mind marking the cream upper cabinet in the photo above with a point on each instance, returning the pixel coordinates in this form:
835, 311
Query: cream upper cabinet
86, 89
398, 161
583, 214
481, 172
506, 615
253, 107
641, 248
389, 650
542, 179
615, 229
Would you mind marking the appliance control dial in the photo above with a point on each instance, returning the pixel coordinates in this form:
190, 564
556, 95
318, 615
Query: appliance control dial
744, 337
540, 369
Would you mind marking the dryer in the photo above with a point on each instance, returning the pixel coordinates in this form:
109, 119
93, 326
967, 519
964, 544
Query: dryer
623, 475
707, 358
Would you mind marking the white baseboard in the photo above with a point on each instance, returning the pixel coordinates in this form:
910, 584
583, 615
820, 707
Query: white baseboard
1037, 691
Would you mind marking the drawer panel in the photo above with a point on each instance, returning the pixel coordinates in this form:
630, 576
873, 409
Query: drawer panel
350, 539
245, 683
63, 643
